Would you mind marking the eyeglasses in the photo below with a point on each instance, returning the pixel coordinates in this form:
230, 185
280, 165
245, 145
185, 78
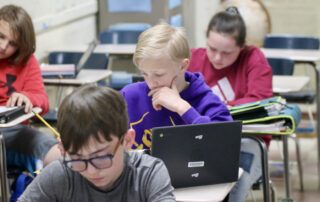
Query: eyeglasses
99, 162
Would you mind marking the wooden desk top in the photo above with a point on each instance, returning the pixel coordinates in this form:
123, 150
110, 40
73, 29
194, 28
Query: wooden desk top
215, 192
288, 84
21, 118
85, 76
115, 49
297, 55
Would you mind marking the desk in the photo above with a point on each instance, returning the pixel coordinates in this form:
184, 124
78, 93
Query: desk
113, 50
116, 49
215, 192
21, 118
3, 161
303, 56
85, 76
286, 84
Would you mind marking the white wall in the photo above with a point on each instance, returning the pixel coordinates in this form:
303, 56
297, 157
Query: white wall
196, 16
60, 22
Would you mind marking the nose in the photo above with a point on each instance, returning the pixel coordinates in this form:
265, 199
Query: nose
3, 44
217, 57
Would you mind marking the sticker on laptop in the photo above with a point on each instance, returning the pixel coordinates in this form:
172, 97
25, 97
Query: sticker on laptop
196, 164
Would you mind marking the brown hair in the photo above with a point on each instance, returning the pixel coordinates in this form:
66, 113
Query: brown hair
91, 110
229, 22
21, 25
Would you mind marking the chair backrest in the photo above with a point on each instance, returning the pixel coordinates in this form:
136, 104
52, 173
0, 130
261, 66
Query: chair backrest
119, 36
281, 66
95, 61
288, 41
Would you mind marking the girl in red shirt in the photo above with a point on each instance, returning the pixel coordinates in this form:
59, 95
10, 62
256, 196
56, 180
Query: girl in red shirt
238, 74
21, 84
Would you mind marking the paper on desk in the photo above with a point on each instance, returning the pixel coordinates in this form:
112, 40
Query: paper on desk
281, 90
272, 127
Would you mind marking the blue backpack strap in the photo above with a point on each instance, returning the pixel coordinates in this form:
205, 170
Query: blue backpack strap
21, 183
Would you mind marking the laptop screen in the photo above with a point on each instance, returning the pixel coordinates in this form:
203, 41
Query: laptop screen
67, 70
84, 58
200, 154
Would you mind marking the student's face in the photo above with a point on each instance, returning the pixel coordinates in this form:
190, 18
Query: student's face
222, 50
102, 178
8, 45
160, 72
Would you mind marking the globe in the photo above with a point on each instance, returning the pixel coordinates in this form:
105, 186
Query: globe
256, 17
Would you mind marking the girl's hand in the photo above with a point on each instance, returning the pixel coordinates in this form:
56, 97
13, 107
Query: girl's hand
18, 99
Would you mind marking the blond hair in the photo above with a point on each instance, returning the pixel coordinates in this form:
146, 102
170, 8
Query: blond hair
159, 40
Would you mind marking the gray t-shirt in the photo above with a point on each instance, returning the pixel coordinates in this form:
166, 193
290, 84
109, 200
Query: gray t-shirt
144, 178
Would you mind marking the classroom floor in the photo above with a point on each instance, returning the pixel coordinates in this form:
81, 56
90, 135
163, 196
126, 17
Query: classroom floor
308, 147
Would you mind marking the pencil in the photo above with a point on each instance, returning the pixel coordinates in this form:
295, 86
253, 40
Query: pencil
47, 124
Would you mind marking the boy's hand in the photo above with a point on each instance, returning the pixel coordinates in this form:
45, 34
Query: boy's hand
18, 99
169, 98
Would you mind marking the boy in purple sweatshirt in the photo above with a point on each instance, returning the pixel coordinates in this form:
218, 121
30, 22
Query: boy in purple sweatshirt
169, 95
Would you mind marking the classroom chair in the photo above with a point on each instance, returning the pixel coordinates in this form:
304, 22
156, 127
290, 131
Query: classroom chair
3, 171
95, 61
267, 186
119, 36
282, 66
129, 26
287, 41
121, 79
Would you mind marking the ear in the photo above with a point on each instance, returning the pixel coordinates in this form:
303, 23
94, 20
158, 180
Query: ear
185, 64
129, 138
60, 146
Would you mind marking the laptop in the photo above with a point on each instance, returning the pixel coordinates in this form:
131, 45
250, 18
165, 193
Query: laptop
68, 70
200, 154
10, 113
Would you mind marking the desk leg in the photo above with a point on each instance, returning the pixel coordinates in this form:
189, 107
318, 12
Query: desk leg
286, 164
3, 170
317, 72
264, 166
110, 62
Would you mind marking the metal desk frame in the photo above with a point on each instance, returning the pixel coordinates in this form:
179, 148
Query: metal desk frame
307, 57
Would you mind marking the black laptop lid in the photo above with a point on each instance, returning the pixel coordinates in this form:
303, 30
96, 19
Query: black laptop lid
84, 58
11, 113
199, 154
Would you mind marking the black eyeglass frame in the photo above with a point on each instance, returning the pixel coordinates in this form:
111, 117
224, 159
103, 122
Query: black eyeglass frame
68, 163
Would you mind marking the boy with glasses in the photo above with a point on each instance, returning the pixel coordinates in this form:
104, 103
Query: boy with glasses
96, 166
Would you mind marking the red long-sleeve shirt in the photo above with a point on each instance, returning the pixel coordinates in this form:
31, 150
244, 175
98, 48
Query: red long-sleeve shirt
248, 79
24, 79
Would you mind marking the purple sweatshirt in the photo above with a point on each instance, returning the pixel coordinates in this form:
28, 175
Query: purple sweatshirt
206, 107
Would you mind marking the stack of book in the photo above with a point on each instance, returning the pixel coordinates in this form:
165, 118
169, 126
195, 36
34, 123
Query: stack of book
57, 70
269, 116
